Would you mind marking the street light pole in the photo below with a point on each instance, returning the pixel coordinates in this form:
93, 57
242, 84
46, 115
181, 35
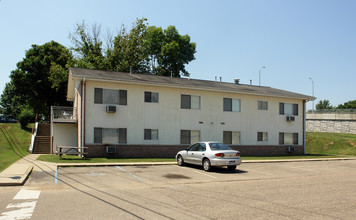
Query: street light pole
259, 75
312, 92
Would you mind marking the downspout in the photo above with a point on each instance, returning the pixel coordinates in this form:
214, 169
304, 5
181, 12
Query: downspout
83, 106
304, 128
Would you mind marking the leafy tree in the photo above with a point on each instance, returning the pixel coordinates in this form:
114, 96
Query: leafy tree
141, 49
129, 52
88, 47
348, 105
40, 78
10, 102
176, 51
324, 104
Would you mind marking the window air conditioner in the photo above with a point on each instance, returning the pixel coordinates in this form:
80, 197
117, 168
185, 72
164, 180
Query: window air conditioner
111, 108
290, 118
290, 149
110, 149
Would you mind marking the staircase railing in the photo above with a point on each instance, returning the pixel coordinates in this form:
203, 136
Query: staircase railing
34, 133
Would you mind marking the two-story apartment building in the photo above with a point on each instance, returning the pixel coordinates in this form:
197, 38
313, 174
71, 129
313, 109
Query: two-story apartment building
138, 115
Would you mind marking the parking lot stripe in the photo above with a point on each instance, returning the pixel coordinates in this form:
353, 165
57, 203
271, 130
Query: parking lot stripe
129, 173
199, 172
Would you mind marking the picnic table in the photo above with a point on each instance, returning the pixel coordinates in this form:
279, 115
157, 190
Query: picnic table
71, 150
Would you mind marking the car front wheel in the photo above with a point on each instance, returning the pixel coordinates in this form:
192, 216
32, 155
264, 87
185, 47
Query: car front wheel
206, 165
180, 160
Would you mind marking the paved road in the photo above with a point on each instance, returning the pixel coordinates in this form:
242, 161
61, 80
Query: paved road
293, 190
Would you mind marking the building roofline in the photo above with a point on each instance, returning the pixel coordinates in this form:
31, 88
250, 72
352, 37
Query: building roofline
186, 83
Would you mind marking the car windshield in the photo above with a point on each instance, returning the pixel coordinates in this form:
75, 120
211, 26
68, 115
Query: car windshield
219, 146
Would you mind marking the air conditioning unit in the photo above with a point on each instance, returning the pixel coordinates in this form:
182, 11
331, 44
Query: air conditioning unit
290, 118
290, 149
110, 149
111, 108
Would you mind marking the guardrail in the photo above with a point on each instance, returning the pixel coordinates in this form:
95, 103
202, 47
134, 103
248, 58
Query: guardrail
63, 113
332, 111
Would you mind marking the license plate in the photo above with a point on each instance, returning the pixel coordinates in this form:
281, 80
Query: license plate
231, 162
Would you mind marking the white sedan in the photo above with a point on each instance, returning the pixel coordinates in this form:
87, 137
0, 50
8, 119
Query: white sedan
209, 154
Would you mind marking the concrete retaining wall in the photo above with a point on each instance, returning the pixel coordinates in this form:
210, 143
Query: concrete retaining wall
333, 123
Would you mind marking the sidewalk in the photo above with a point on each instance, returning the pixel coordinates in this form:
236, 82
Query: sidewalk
17, 173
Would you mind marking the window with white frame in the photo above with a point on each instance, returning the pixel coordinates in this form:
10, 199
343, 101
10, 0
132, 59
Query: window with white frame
151, 97
232, 105
190, 102
262, 136
189, 136
288, 138
110, 135
151, 134
262, 105
288, 109
231, 137
110, 96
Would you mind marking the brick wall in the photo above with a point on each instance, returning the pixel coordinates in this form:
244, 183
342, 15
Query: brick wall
139, 151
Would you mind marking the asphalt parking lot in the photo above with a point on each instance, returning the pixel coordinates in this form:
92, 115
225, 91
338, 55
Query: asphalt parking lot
293, 190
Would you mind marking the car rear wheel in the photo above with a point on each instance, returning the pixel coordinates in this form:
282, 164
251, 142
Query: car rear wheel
206, 165
231, 168
180, 160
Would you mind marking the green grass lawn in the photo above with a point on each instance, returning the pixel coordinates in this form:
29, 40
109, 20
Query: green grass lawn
14, 143
331, 144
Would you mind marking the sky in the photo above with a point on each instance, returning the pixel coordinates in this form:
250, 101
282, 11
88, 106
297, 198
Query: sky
299, 42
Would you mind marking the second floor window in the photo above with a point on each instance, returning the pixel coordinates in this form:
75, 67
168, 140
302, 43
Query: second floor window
232, 105
110, 96
151, 97
190, 102
288, 109
262, 105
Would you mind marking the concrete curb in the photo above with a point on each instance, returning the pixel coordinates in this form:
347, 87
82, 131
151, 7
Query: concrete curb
19, 173
174, 163
18, 179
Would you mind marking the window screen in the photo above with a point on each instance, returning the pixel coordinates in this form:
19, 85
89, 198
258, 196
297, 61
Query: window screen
185, 136
262, 136
185, 102
227, 104
227, 137
262, 105
110, 96
97, 135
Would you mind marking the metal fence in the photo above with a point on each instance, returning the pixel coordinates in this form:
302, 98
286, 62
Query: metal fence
63, 112
333, 111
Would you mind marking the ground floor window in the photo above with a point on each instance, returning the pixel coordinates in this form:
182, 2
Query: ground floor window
262, 136
189, 136
110, 135
151, 134
231, 137
288, 138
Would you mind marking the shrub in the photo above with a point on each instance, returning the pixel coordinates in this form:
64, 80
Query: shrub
26, 116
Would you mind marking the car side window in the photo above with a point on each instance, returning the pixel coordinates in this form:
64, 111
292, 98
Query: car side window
202, 147
194, 147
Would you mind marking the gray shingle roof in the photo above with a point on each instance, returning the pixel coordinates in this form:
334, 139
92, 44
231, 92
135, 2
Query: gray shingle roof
79, 73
